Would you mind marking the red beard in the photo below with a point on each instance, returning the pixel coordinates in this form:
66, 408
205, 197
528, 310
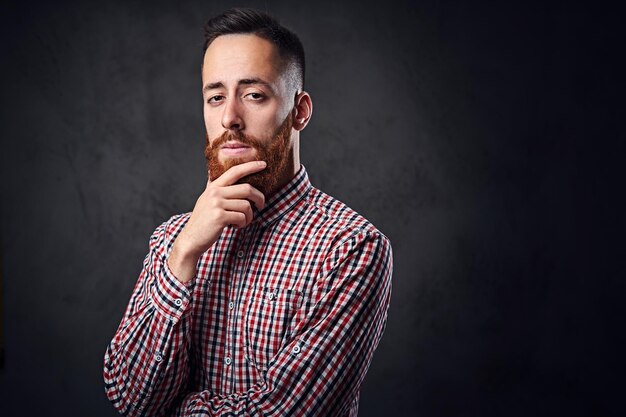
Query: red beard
276, 152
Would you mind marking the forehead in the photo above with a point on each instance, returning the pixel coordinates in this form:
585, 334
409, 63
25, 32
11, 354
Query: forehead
233, 57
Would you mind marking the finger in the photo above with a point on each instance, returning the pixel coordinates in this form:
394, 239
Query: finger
235, 218
241, 206
233, 174
244, 191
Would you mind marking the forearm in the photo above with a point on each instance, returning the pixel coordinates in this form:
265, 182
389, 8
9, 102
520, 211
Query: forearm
312, 383
320, 368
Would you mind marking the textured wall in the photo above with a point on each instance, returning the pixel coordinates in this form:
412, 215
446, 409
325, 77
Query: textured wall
474, 137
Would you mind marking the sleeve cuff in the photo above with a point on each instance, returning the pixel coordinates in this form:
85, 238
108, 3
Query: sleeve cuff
170, 296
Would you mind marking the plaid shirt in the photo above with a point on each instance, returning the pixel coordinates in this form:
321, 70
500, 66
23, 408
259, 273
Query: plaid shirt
282, 318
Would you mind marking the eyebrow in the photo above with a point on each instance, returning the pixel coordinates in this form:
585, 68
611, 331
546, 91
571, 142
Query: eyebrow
243, 81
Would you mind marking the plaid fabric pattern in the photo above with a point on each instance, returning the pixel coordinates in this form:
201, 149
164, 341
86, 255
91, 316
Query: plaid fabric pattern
282, 318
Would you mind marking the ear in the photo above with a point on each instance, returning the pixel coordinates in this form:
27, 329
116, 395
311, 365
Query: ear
302, 110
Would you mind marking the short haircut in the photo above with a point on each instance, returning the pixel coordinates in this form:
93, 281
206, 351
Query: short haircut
250, 21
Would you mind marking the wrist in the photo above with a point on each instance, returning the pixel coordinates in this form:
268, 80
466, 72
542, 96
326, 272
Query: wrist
184, 249
182, 261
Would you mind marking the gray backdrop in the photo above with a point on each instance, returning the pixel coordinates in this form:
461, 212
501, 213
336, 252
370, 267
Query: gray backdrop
480, 139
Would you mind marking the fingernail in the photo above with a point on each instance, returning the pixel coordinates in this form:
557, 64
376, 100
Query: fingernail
262, 163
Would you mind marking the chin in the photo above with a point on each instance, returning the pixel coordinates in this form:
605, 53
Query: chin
232, 161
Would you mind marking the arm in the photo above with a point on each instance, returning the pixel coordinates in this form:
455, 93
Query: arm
146, 363
320, 371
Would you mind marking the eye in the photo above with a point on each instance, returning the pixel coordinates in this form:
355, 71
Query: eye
255, 96
215, 99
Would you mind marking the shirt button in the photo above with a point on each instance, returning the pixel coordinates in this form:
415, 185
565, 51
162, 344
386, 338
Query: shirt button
295, 350
227, 361
270, 296
178, 302
231, 305
240, 254
158, 357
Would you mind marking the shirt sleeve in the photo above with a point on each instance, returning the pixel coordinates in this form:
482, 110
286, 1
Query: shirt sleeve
319, 372
146, 364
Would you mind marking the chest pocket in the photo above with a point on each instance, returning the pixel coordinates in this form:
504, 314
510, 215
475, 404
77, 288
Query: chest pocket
267, 323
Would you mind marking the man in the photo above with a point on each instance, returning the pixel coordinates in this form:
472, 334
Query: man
271, 296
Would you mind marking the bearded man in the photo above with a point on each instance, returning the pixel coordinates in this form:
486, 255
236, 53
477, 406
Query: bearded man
270, 298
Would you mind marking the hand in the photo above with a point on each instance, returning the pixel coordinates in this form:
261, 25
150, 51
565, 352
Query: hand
221, 204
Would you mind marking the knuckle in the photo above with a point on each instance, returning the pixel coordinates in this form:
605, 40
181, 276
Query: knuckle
220, 216
211, 191
211, 202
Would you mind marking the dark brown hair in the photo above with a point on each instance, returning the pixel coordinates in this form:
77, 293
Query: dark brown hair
243, 20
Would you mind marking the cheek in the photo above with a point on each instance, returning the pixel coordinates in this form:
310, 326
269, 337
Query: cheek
212, 126
205, 114
263, 126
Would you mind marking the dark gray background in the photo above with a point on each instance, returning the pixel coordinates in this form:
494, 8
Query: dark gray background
482, 139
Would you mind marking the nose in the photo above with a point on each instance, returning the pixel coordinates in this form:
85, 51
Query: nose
232, 118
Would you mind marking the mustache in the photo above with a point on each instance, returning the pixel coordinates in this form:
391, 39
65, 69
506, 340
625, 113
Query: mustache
237, 136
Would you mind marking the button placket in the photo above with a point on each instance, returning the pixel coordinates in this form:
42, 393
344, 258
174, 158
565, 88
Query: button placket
234, 293
236, 296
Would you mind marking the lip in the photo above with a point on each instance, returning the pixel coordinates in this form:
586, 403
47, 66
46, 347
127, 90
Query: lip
233, 148
234, 145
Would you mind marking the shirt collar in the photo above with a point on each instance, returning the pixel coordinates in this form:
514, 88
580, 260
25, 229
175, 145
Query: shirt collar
284, 199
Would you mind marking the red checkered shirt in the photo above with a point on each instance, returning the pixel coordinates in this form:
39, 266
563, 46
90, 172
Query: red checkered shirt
282, 318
